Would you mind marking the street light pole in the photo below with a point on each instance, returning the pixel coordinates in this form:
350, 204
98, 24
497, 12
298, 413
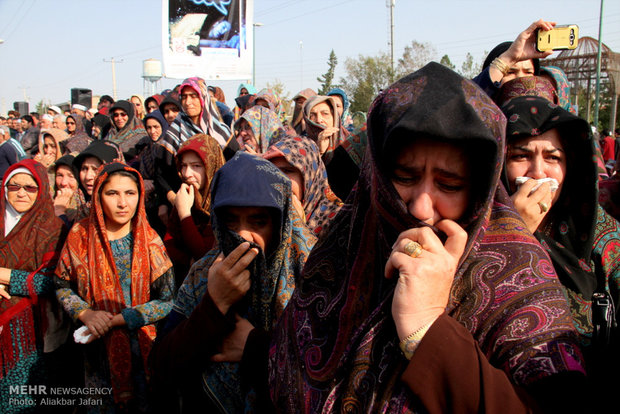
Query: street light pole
113, 62
598, 67
254, 26
391, 4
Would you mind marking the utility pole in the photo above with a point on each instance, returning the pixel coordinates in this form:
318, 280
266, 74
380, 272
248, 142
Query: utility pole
391, 4
113, 62
301, 65
23, 88
598, 67
254, 26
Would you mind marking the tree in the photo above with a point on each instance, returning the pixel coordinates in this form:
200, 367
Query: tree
279, 89
468, 69
414, 57
41, 107
445, 60
365, 77
326, 79
605, 104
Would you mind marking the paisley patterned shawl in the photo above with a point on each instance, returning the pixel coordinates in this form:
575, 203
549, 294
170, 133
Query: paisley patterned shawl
269, 96
336, 349
265, 125
88, 263
248, 180
319, 202
562, 87
527, 85
355, 145
580, 237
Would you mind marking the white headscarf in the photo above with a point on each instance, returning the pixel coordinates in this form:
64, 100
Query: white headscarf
12, 216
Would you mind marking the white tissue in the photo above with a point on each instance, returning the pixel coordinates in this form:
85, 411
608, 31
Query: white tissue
79, 337
554, 183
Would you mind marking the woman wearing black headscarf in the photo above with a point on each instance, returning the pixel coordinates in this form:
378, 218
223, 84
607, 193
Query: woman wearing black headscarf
427, 293
86, 164
510, 60
101, 125
547, 142
126, 130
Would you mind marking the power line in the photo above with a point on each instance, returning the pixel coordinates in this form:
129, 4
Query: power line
309, 13
276, 8
20, 20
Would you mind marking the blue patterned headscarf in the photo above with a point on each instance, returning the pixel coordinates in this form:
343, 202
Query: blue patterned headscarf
247, 180
345, 119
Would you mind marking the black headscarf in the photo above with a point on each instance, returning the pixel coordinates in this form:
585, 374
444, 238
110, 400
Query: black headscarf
170, 99
336, 339
104, 124
67, 161
103, 150
568, 230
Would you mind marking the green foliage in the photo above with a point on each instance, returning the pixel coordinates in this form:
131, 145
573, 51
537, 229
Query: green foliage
445, 60
327, 78
415, 56
279, 89
605, 106
41, 107
365, 77
470, 70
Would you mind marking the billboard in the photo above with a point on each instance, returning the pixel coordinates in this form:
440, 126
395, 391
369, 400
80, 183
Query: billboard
207, 38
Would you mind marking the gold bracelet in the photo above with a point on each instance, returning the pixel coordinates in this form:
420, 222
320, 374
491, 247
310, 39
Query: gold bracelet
410, 343
500, 65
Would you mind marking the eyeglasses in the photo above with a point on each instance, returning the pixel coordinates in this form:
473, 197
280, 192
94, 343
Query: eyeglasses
117, 114
16, 187
244, 127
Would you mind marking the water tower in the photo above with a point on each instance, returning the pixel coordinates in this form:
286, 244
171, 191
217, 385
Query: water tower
151, 73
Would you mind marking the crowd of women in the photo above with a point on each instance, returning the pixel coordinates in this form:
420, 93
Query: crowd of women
449, 255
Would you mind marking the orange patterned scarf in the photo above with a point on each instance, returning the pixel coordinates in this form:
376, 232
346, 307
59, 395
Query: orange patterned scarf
98, 283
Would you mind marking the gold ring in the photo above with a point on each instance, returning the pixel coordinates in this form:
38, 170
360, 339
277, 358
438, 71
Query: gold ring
413, 249
543, 206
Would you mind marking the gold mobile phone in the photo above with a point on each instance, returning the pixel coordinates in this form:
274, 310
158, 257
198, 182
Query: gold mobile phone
559, 38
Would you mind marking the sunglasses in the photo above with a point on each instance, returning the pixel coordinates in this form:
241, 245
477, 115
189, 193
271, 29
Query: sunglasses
16, 187
119, 114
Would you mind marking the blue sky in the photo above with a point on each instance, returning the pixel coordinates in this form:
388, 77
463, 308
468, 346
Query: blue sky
51, 46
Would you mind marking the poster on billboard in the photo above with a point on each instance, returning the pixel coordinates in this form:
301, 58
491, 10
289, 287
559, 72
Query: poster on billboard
207, 38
